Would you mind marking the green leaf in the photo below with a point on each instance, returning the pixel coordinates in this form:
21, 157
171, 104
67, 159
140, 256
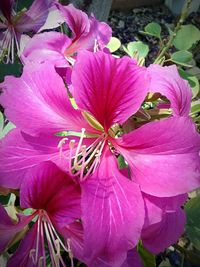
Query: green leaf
114, 44
153, 29
10, 69
192, 209
187, 36
137, 49
148, 259
193, 81
1, 123
181, 58
3, 131
195, 107
121, 162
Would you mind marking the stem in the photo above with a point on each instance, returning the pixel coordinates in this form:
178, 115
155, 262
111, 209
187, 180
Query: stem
183, 16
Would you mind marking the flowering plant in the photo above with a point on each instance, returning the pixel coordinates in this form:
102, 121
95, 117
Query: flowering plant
100, 151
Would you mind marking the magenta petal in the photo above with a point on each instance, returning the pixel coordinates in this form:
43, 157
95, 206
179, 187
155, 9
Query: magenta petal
48, 46
8, 229
113, 213
38, 103
157, 236
22, 256
19, 152
133, 259
76, 19
161, 153
34, 17
167, 81
110, 89
48, 188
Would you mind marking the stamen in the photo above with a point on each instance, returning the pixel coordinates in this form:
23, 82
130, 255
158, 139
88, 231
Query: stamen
60, 146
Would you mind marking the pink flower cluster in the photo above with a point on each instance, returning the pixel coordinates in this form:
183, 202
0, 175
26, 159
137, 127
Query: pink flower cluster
69, 107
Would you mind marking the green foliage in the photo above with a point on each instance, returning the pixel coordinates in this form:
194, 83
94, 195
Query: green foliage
137, 49
186, 37
152, 29
114, 44
193, 81
192, 209
121, 162
5, 129
195, 107
10, 69
181, 58
148, 259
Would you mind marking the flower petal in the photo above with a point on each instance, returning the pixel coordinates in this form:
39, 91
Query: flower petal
110, 89
25, 255
52, 190
167, 81
76, 19
133, 259
112, 204
34, 17
54, 19
157, 236
6, 8
47, 46
38, 103
8, 229
165, 153
19, 152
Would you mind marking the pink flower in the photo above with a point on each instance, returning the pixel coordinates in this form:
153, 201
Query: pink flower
164, 222
55, 200
107, 91
88, 33
14, 25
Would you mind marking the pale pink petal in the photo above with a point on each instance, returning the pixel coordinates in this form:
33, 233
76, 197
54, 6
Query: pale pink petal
34, 17
54, 19
110, 89
167, 81
48, 46
160, 234
113, 213
19, 152
62, 199
165, 153
8, 229
38, 102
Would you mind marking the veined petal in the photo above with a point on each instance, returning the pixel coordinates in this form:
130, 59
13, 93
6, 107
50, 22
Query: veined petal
8, 229
52, 190
112, 204
38, 103
163, 156
158, 234
167, 81
25, 255
110, 89
48, 46
34, 17
20, 151
76, 19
